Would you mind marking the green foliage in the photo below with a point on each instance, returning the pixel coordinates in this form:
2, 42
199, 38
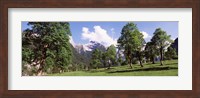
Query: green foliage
151, 51
104, 58
79, 59
49, 63
120, 60
134, 60
111, 55
131, 40
100, 59
161, 38
48, 44
96, 63
124, 63
111, 52
96, 59
171, 53
27, 55
161, 41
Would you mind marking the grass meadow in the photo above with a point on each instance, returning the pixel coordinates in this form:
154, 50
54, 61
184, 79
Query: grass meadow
170, 68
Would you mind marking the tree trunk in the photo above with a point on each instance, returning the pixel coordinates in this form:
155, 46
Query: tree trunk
153, 62
42, 60
140, 59
109, 64
141, 63
104, 64
161, 63
39, 71
161, 56
130, 62
131, 65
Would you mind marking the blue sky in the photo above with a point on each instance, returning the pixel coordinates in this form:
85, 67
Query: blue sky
108, 32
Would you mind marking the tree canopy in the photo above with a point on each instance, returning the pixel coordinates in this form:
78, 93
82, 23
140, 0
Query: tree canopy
161, 40
96, 58
151, 51
131, 40
111, 55
46, 46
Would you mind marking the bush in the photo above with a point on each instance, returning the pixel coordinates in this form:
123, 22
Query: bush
124, 63
134, 60
175, 57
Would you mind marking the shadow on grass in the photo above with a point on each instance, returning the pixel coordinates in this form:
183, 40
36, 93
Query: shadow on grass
104, 70
145, 69
171, 64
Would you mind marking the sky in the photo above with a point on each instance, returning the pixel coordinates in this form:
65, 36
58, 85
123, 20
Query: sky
107, 33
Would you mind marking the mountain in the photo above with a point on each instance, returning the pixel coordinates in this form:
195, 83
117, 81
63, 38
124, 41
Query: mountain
78, 58
175, 45
82, 53
80, 48
87, 49
94, 45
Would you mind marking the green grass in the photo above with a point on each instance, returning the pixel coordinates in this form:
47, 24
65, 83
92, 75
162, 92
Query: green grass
170, 68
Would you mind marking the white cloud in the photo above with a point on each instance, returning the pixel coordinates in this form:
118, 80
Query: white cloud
99, 35
72, 41
146, 35
113, 32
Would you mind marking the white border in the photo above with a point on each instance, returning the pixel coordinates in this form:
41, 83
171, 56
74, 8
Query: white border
181, 82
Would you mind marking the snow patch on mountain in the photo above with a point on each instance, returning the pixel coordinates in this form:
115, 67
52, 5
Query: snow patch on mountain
92, 45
